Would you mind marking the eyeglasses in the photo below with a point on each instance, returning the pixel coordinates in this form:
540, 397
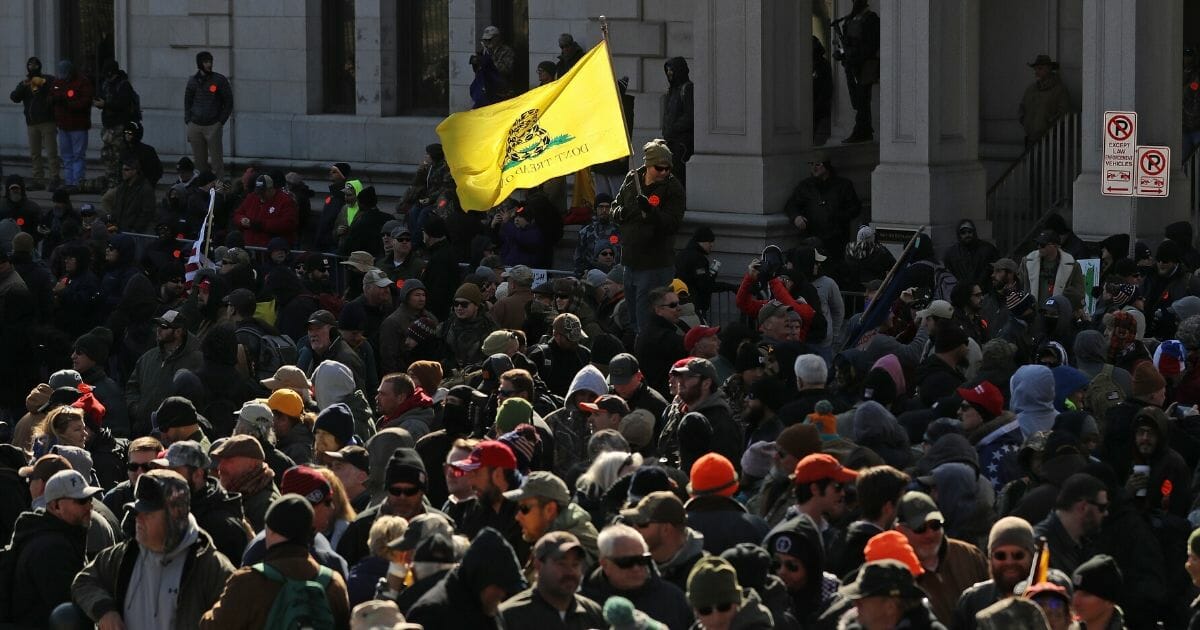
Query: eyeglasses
1103, 507
461, 303
1003, 556
629, 562
790, 566
132, 467
406, 492
705, 611
930, 526
661, 169
670, 305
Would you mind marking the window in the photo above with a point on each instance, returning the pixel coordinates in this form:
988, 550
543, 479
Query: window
423, 48
86, 36
512, 18
337, 56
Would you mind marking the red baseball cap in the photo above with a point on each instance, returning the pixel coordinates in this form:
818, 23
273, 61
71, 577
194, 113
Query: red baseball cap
307, 482
985, 395
820, 466
489, 453
696, 333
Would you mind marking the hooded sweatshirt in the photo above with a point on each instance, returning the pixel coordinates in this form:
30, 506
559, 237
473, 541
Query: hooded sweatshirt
876, 428
379, 450
333, 382
154, 585
454, 601
1033, 398
1090, 350
1067, 380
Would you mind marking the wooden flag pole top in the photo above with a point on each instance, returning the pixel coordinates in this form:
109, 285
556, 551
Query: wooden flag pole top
620, 102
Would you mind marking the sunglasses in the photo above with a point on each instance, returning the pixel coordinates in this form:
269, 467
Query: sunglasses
1016, 556
629, 562
405, 492
934, 526
788, 565
461, 303
705, 611
661, 169
132, 467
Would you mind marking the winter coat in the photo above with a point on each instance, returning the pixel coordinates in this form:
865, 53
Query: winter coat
521, 246
829, 207
528, 609
726, 437
464, 340
440, 278
152, 377
249, 594
592, 236
724, 522
118, 96
353, 545
509, 311
454, 601
208, 99
971, 263
658, 599
106, 390
49, 552
657, 349
557, 366
363, 234
133, 206
677, 568
1066, 276
877, 429
678, 110
220, 514
269, 218
936, 379
101, 586
393, 353
36, 102
647, 228
1044, 102
72, 98
960, 565
1166, 467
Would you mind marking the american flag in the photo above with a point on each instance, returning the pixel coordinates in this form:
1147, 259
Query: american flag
197, 259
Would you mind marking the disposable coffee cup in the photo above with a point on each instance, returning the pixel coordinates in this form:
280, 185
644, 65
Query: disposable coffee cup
1144, 470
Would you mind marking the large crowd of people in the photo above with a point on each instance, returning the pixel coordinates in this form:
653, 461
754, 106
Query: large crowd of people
360, 418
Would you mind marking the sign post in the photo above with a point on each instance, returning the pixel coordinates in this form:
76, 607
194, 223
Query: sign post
1120, 148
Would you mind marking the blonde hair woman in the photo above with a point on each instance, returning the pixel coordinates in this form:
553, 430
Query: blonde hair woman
343, 512
62, 425
365, 576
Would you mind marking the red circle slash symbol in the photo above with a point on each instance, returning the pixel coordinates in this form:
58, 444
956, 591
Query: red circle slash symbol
1120, 128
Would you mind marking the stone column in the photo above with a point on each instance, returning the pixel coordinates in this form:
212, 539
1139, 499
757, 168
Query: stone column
753, 119
1131, 61
369, 56
929, 171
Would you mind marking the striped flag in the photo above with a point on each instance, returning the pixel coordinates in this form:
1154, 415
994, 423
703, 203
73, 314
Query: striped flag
198, 259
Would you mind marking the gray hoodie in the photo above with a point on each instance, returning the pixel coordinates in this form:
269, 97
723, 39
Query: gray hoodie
1089, 356
154, 585
1033, 398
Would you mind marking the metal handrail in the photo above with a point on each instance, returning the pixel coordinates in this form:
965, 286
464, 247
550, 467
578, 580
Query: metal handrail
1039, 182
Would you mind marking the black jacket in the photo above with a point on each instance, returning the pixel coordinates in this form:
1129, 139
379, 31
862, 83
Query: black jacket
678, 110
440, 278
657, 349
364, 234
49, 552
936, 379
208, 99
659, 599
36, 102
220, 514
454, 601
829, 207
724, 523
971, 263
119, 107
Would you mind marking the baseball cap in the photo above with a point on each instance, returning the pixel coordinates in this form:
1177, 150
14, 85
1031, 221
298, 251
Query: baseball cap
820, 466
608, 402
1047, 236
1006, 264
306, 482
657, 507
696, 333
544, 485
490, 454
984, 394
156, 489
771, 309
419, 528
356, 456
490, 32
916, 509
622, 368
520, 274
169, 319
377, 278
69, 484
287, 402
185, 453
695, 367
322, 317
554, 545
937, 308
241, 445
568, 325
45, 467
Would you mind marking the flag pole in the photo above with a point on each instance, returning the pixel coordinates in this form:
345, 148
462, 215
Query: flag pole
212, 201
613, 71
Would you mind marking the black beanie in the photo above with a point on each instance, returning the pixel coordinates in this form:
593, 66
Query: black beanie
435, 226
95, 344
291, 516
343, 168
406, 466
751, 562
1101, 577
949, 336
367, 198
201, 57
704, 234
1168, 252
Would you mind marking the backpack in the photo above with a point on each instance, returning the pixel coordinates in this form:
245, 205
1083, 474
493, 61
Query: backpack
1102, 393
274, 351
300, 603
943, 281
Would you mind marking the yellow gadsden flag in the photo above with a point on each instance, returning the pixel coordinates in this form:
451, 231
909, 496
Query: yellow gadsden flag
552, 130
